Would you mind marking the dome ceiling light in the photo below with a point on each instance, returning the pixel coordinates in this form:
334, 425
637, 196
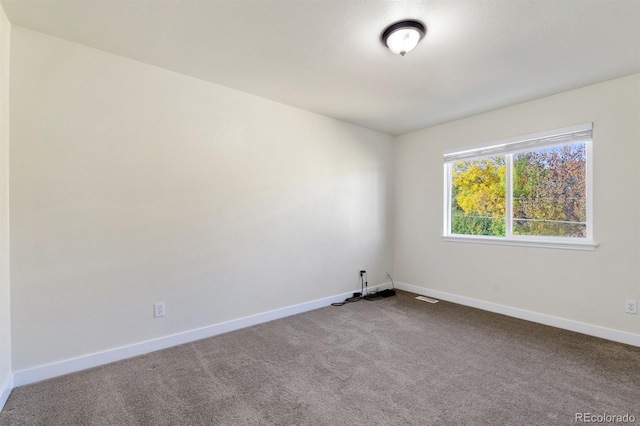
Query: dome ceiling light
402, 37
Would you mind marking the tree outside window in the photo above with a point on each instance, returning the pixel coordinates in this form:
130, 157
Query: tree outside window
530, 189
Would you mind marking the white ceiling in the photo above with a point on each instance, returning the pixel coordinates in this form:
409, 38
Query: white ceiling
326, 56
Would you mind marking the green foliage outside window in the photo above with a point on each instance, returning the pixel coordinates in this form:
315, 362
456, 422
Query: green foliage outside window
478, 197
549, 194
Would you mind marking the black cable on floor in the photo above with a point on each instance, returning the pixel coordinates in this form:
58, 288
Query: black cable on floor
354, 298
349, 300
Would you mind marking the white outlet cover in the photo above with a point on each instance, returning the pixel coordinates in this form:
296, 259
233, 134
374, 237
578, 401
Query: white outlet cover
158, 310
631, 306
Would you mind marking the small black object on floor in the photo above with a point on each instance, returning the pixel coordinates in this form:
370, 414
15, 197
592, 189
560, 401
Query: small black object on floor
380, 295
386, 293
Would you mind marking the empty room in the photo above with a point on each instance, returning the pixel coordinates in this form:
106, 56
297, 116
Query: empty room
319, 212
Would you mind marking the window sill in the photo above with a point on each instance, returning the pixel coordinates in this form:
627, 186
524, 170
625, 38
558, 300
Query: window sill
552, 244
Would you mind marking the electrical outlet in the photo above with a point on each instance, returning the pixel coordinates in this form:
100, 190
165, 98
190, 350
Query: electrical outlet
631, 306
158, 310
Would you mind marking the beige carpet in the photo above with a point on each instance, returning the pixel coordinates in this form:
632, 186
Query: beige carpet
395, 361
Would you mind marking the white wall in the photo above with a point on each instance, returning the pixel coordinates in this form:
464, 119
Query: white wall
587, 287
5, 318
133, 185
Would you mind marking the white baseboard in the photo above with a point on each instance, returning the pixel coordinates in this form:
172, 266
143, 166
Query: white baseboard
5, 390
44, 372
579, 327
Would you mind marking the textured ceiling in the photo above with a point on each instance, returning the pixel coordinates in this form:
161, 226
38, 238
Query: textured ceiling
326, 56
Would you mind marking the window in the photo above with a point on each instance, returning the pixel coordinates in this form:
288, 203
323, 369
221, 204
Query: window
532, 190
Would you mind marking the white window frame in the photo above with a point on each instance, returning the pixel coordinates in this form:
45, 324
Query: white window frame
508, 147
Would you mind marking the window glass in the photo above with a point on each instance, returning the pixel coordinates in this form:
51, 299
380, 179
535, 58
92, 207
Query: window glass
549, 192
534, 188
478, 197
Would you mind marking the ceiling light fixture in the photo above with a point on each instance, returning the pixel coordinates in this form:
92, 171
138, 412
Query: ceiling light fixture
402, 37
